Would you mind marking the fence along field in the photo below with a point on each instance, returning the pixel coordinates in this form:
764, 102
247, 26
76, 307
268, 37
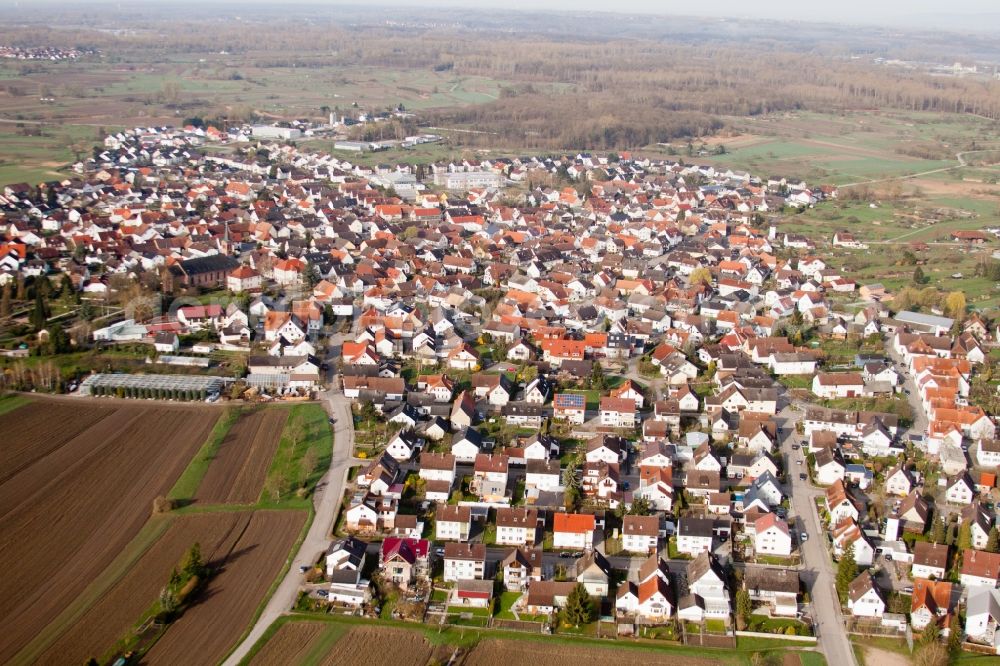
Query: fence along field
236, 474
209, 629
66, 515
104, 623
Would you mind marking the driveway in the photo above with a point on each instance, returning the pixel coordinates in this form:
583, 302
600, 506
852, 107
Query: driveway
326, 501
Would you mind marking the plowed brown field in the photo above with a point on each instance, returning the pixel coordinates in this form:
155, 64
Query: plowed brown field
65, 516
209, 629
382, 646
290, 644
500, 652
121, 606
36, 435
236, 475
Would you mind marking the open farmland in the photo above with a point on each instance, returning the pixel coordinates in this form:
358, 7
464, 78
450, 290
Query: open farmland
292, 642
236, 474
500, 652
37, 436
380, 646
67, 514
97, 630
213, 625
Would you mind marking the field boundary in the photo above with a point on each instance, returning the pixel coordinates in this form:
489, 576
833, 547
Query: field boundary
150, 533
469, 637
9, 403
187, 483
289, 558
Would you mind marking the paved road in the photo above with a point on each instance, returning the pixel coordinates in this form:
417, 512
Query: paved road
919, 426
817, 568
326, 502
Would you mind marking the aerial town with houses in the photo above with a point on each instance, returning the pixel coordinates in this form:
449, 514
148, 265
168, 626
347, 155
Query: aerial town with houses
585, 388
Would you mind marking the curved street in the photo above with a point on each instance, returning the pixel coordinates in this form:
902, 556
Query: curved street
326, 501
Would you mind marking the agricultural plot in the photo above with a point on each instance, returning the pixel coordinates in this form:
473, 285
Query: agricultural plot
36, 437
291, 644
208, 630
65, 516
236, 474
500, 652
380, 646
97, 630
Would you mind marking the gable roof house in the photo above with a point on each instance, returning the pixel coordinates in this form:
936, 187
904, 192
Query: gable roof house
930, 560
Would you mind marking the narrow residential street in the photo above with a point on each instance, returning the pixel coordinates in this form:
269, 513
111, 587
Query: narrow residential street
817, 568
326, 501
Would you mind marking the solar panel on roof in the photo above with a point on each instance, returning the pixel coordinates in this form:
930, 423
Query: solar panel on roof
571, 400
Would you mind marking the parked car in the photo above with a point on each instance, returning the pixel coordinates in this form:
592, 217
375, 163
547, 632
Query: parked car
795, 447
803, 476
304, 568
804, 537
908, 589
565, 554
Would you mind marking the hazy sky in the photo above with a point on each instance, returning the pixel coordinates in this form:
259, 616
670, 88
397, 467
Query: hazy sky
888, 12
978, 15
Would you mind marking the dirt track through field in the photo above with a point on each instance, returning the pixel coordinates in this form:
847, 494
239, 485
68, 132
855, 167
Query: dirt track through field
209, 629
236, 475
66, 516
121, 606
290, 644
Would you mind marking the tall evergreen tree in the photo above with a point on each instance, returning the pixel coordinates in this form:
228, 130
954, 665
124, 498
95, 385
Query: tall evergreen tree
847, 571
744, 607
964, 536
938, 530
993, 542
5, 308
38, 314
579, 606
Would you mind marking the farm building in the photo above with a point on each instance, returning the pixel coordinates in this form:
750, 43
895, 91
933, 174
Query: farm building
168, 387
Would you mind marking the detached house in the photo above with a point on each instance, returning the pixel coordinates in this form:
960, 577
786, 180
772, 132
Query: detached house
573, 530
403, 560
516, 526
452, 522
571, 407
960, 489
864, 598
931, 601
772, 536
520, 567
930, 560
464, 561
694, 535
982, 617
640, 534
980, 568
618, 413
838, 385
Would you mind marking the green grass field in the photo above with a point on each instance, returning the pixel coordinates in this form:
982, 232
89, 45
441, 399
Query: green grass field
187, 485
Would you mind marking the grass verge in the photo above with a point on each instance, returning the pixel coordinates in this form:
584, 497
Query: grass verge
188, 482
147, 536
